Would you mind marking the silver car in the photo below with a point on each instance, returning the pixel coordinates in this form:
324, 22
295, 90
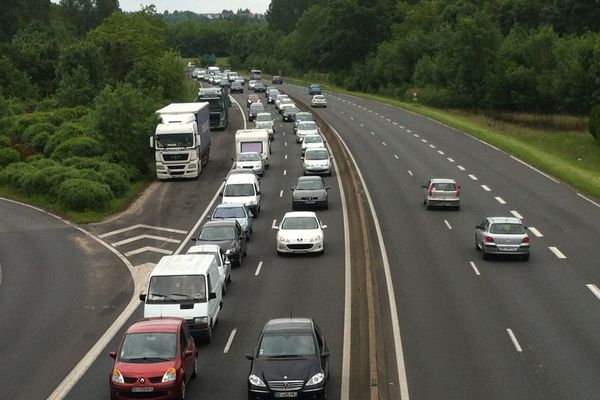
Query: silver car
318, 101
310, 192
317, 161
302, 116
502, 235
306, 128
237, 211
441, 192
250, 160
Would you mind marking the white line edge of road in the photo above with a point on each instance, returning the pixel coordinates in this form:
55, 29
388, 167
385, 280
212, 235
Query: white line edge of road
588, 200
0, 274
241, 110
400, 366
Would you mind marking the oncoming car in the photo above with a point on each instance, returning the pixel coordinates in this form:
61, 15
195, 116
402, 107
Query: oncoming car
300, 232
502, 235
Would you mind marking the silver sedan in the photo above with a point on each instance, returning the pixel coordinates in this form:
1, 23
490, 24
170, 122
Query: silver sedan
502, 235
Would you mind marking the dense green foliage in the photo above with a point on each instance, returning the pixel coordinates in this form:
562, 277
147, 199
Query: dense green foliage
79, 84
595, 122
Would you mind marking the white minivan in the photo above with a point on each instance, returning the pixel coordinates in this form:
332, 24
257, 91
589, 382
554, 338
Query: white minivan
188, 287
243, 188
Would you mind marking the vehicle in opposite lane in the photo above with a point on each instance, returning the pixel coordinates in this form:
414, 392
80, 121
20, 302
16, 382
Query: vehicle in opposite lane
318, 101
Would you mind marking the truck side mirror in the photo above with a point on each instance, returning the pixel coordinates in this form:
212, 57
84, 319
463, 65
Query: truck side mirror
142, 296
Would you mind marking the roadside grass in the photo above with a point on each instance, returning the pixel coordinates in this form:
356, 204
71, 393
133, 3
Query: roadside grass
559, 145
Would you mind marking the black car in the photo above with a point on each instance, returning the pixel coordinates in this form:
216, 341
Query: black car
260, 88
289, 114
291, 360
227, 234
310, 192
236, 87
277, 80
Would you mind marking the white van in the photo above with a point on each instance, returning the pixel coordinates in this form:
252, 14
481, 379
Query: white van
255, 141
189, 287
222, 260
243, 188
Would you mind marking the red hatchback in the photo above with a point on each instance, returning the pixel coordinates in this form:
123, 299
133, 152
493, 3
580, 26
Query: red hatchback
156, 359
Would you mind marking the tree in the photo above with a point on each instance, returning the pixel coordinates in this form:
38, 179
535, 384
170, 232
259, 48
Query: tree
20, 13
75, 89
282, 15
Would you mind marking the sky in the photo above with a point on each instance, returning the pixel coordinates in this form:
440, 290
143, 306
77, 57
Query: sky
198, 6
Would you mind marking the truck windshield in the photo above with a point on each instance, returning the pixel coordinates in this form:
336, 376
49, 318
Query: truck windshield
176, 289
174, 140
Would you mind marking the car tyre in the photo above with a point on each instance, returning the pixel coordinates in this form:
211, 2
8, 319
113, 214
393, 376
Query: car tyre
238, 260
484, 255
182, 390
209, 333
195, 372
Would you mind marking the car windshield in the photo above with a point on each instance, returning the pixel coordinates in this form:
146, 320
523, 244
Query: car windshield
316, 155
290, 110
300, 223
444, 186
217, 233
319, 97
307, 126
168, 289
313, 139
249, 157
287, 345
239, 189
264, 117
507, 229
309, 184
174, 140
229, 212
263, 125
149, 347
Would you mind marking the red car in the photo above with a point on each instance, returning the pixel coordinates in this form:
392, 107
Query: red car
156, 359
253, 98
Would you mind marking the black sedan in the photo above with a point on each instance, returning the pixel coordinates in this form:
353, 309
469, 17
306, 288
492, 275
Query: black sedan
227, 234
260, 88
289, 114
291, 360
310, 192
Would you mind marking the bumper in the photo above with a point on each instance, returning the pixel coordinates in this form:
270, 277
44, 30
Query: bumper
509, 249
436, 202
309, 204
300, 247
313, 394
319, 104
161, 391
317, 171
173, 171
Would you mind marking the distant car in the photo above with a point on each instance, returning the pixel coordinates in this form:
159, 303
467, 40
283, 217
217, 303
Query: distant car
291, 360
279, 98
302, 116
289, 113
441, 192
268, 125
283, 104
259, 88
229, 235
313, 89
318, 101
252, 83
253, 98
277, 80
312, 141
300, 232
236, 87
232, 76
222, 260
241, 80
237, 211
502, 235
251, 160
254, 109
310, 192
156, 356
306, 128
317, 161
271, 95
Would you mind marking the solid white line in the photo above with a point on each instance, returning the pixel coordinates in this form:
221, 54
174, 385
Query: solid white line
241, 110
474, 268
383, 143
132, 227
461, 167
410, 172
450, 159
135, 238
473, 177
260, 264
448, 224
535, 231
441, 153
229, 341
500, 200
594, 290
396, 156
0, 274
486, 188
284, 172
588, 200
281, 193
274, 224
148, 248
516, 214
557, 253
534, 169
514, 340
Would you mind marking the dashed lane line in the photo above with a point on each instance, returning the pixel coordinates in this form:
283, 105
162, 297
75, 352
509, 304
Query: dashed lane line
396, 156
258, 268
281, 193
557, 253
461, 167
486, 188
383, 143
441, 153
535, 232
473, 177
500, 200
472, 264
450, 159
229, 341
448, 224
410, 172
514, 340
516, 214
594, 289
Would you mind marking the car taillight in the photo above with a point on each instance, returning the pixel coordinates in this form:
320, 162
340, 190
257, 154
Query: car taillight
525, 239
489, 239
430, 190
457, 191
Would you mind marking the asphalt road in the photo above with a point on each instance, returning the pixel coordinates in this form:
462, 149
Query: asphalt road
474, 329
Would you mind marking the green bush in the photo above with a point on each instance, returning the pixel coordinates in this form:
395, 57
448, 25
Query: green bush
81, 146
4, 141
81, 194
65, 132
116, 176
34, 129
68, 114
595, 122
8, 156
47, 104
24, 121
39, 141
15, 174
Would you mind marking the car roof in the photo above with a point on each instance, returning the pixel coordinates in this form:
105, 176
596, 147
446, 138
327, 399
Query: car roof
505, 220
221, 222
204, 248
230, 205
183, 264
313, 135
442, 180
265, 113
289, 324
300, 214
242, 171
241, 178
313, 149
165, 324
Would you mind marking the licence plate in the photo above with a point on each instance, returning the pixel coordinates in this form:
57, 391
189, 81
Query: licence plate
142, 389
286, 395
508, 248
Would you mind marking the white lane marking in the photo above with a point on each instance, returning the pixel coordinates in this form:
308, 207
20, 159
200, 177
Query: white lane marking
388, 120
461, 167
401, 127
274, 224
450, 159
285, 143
516, 214
381, 116
148, 248
376, 113
409, 131
284, 172
129, 228
352, 118
448, 224
396, 156
399, 352
229, 341
410, 172
534, 169
362, 125
557, 253
283, 133
441, 153
486, 188
588, 200
395, 123
258, 268
500, 200
432, 146
371, 111
514, 340
424, 140
139, 237
281, 193
415, 135
535, 231
285, 156
594, 289
473, 177
241, 110
372, 133
0, 274
472, 264
383, 143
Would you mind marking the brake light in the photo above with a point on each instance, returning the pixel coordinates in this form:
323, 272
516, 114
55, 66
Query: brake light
489, 239
525, 239
431, 190
457, 191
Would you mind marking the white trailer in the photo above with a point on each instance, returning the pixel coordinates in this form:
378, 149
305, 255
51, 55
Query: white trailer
253, 140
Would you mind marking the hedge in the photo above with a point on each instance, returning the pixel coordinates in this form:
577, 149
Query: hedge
66, 131
82, 146
8, 156
82, 194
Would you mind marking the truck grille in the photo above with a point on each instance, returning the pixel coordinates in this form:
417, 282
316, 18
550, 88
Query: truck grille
176, 157
285, 385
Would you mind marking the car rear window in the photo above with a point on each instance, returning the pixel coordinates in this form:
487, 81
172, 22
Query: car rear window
447, 187
507, 229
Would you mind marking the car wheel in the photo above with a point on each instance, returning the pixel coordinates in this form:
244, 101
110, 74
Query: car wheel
279, 253
224, 290
182, 390
195, 372
484, 255
476, 244
245, 252
457, 208
238, 261
209, 333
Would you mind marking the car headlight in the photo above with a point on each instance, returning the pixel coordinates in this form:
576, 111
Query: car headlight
231, 250
315, 239
283, 239
256, 381
201, 321
316, 379
117, 377
171, 375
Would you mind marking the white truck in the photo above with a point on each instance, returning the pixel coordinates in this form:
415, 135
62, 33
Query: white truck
253, 140
181, 141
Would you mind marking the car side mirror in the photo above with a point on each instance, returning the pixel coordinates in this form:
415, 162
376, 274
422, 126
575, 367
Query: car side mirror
212, 295
250, 214
275, 228
292, 189
249, 357
478, 227
142, 296
113, 354
424, 186
193, 239
323, 226
188, 353
327, 187
325, 354
221, 194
